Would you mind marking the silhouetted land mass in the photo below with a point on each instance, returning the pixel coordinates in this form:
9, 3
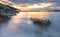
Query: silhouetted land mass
54, 10
7, 11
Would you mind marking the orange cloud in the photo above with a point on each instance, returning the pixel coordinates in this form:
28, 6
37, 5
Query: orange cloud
26, 7
40, 5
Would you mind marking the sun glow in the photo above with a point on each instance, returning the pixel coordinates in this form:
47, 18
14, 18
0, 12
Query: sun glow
28, 7
35, 6
33, 14
39, 14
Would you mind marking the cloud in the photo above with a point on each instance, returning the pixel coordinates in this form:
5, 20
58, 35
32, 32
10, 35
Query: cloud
34, 1
7, 2
30, 6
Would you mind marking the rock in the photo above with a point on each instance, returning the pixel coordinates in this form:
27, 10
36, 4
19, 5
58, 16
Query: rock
3, 18
7, 11
42, 23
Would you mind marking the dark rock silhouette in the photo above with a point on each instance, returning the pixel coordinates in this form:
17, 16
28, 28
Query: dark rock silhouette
3, 18
41, 22
7, 11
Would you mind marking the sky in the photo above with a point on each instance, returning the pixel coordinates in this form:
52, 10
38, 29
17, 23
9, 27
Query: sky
32, 1
33, 5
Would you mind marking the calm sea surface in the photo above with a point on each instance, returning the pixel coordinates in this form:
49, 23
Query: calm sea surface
23, 27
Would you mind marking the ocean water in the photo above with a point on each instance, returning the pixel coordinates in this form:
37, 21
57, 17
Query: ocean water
23, 27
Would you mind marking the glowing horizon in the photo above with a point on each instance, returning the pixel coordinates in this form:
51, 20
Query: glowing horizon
33, 14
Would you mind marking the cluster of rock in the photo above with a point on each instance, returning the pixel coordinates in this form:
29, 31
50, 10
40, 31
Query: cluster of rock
7, 11
41, 22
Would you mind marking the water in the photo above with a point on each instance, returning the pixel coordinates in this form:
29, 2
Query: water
23, 27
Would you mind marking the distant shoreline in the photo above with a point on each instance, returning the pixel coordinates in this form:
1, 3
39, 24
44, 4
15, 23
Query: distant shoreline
43, 11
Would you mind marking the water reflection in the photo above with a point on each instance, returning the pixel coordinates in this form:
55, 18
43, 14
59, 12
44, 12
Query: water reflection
23, 27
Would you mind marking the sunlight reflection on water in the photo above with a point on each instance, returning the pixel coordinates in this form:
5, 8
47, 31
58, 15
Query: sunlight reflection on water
23, 27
